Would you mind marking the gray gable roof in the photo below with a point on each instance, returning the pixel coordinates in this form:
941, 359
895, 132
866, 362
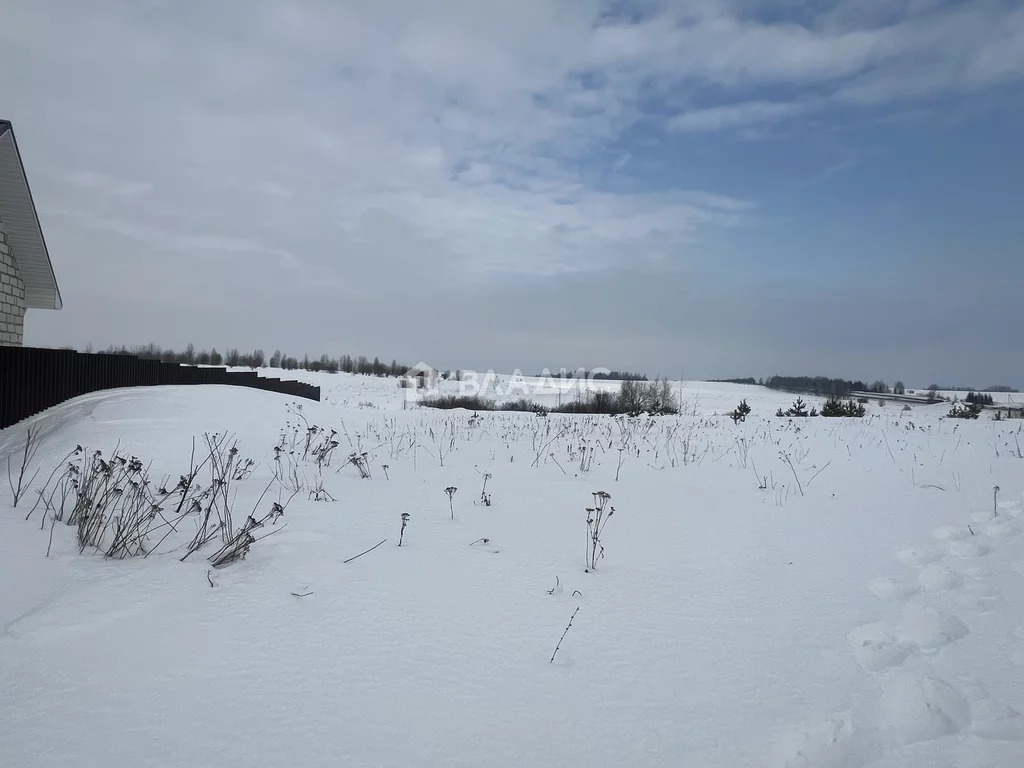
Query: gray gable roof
20, 222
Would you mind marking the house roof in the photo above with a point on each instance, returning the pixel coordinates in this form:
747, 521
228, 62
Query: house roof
21, 223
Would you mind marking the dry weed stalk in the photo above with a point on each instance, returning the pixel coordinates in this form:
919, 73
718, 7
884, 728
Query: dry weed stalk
597, 518
28, 455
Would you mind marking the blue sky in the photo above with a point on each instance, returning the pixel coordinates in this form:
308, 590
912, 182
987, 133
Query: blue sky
711, 188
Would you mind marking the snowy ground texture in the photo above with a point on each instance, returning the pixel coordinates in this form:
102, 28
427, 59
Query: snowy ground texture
871, 615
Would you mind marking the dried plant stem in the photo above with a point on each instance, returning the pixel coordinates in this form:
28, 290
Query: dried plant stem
818, 473
789, 462
564, 633
31, 447
363, 553
60, 465
53, 522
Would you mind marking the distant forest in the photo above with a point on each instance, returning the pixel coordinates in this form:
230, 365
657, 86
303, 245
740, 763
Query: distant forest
566, 373
258, 359
822, 385
819, 385
997, 388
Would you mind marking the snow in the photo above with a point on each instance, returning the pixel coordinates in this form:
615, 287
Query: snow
875, 619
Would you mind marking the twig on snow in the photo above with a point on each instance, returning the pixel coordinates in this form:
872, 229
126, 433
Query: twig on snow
552, 659
817, 473
363, 553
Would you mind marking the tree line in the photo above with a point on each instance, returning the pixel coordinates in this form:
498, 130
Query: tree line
997, 388
583, 373
235, 358
823, 385
820, 385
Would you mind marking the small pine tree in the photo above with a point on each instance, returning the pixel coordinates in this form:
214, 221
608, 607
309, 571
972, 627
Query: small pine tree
741, 412
836, 408
833, 407
969, 411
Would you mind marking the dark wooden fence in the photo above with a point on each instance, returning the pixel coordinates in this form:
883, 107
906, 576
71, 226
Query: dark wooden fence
32, 380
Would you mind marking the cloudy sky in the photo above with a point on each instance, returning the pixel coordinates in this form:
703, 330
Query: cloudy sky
706, 188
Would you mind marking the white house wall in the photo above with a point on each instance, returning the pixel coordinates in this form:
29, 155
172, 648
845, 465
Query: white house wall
12, 296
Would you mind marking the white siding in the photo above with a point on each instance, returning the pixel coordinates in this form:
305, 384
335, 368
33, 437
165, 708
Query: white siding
24, 235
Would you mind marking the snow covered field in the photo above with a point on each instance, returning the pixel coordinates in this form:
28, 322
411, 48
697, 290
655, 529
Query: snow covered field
864, 608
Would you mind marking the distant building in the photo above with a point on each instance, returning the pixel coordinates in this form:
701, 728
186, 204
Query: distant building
422, 376
26, 274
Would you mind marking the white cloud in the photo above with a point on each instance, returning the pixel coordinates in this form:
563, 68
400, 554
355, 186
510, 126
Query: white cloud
736, 115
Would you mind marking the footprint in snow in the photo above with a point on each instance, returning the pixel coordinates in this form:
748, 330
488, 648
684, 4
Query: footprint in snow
878, 646
914, 709
968, 548
875, 648
892, 590
930, 629
834, 743
952, 533
919, 555
991, 720
937, 578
